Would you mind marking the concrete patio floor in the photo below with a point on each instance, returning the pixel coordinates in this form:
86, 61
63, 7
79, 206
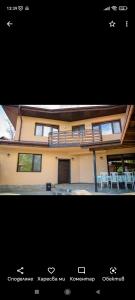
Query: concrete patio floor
63, 189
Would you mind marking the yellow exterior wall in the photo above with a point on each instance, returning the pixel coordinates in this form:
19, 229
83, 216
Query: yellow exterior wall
10, 176
86, 168
28, 126
81, 165
75, 170
101, 162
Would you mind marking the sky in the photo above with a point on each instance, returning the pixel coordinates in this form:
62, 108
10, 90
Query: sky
3, 117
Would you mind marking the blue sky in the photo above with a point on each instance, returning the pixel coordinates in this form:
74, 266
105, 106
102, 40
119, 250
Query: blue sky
3, 123
3, 117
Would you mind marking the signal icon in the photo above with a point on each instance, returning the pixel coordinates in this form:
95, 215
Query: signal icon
107, 8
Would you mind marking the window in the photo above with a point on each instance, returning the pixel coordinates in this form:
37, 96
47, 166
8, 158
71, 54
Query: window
106, 128
112, 127
29, 163
44, 130
78, 129
39, 130
116, 127
121, 163
96, 128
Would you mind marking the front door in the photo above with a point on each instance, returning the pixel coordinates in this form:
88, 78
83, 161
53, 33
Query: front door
64, 171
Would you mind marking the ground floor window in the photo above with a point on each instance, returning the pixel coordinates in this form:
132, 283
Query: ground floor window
29, 162
121, 163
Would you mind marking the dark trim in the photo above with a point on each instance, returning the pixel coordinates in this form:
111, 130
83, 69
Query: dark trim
102, 144
95, 170
25, 143
123, 165
129, 113
33, 154
20, 130
102, 123
64, 145
77, 126
65, 114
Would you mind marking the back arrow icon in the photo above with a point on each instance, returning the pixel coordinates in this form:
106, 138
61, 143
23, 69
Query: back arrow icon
9, 23
20, 270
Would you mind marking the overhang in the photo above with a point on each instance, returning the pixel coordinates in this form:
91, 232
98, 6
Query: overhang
63, 114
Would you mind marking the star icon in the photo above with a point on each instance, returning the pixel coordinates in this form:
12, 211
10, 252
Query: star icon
112, 24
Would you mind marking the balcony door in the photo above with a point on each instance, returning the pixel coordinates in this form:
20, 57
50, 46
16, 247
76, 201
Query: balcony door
63, 171
78, 130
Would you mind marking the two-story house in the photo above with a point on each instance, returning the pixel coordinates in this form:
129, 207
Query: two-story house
70, 145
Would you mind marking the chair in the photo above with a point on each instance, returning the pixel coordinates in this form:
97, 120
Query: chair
104, 179
114, 178
129, 179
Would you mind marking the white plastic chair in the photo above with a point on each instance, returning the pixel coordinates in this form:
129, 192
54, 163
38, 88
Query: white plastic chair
129, 179
104, 179
114, 178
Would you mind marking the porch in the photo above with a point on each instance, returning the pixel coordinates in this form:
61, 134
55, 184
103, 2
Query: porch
64, 189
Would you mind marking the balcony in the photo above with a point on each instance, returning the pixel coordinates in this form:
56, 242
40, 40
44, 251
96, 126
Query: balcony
69, 138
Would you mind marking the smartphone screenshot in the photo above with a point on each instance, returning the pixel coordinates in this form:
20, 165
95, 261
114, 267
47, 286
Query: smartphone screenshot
67, 150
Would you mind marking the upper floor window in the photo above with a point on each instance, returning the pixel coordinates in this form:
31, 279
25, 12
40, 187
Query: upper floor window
44, 130
29, 162
107, 128
78, 129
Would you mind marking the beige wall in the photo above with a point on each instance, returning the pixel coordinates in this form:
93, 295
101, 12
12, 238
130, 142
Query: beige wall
81, 165
101, 162
9, 174
28, 127
86, 168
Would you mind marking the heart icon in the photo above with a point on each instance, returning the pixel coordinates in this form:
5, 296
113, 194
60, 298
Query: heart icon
51, 270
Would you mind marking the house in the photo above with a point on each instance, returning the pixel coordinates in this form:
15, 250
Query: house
70, 145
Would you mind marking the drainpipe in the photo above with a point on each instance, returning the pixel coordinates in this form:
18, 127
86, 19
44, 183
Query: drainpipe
20, 122
95, 170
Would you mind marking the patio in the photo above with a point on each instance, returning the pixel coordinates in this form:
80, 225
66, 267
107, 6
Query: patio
64, 189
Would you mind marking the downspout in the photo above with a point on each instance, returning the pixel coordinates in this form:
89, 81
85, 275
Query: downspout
21, 121
95, 170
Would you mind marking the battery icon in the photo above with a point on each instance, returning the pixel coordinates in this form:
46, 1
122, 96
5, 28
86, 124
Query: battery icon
123, 8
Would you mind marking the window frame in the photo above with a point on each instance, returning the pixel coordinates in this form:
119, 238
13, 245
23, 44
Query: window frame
101, 123
120, 157
32, 163
43, 125
79, 132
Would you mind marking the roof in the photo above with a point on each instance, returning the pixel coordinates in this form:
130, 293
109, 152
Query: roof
62, 114
23, 143
128, 134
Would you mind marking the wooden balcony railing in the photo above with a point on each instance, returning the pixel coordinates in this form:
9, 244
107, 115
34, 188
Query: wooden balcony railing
66, 138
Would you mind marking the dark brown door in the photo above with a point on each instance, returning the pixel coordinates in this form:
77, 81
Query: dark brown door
64, 171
